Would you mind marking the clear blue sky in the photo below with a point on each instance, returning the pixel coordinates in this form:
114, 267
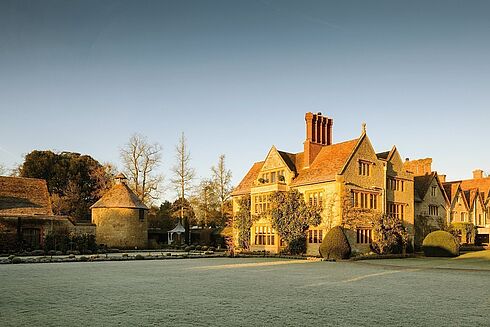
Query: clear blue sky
238, 76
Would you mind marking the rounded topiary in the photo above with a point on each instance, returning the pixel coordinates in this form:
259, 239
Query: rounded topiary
335, 245
139, 257
440, 244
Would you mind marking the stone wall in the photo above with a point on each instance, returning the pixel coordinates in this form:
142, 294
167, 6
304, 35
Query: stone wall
121, 227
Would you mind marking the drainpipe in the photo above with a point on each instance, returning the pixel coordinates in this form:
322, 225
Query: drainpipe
385, 175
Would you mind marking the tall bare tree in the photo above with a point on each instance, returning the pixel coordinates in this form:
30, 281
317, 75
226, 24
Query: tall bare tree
222, 183
183, 176
205, 203
140, 160
3, 169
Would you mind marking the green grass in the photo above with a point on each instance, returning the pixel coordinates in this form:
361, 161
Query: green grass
245, 292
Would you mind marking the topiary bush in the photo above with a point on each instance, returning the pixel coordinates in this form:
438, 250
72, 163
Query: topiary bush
440, 244
139, 257
335, 245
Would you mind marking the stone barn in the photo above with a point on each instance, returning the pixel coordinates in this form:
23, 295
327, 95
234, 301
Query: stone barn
121, 218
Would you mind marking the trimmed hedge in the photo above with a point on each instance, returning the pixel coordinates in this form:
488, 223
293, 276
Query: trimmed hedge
335, 245
440, 244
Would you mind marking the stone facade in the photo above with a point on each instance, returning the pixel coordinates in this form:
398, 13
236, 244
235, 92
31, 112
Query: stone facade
333, 176
431, 206
121, 227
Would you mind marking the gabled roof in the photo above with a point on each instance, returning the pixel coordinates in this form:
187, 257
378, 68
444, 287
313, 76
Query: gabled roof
422, 183
289, 159
328, 163
386, 156
483, 184
120, 196
383, 155
24, 196
452, 189
247, 181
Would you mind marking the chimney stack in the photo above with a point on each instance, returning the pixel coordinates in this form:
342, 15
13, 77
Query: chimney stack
442, 178
477, 173
318, 134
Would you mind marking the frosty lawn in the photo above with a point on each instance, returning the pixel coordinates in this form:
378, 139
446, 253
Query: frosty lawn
247, 292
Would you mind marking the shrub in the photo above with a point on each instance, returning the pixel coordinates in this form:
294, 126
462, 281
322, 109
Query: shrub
335, 245
390, 236
198, 247
83, 258
440, 244
297, 246
192, 247
187, 249
16, 260
37, 252
139, 257
204, 248
212, 248
125, 255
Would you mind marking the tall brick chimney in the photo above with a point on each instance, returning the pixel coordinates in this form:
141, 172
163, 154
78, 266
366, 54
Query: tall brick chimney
318, 134
442, 178
477, 173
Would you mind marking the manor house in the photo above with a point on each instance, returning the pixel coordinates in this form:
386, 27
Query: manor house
339, 177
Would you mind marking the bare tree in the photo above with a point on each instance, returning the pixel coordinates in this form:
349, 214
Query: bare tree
222, 183
3, 170
205, 203
140, 160
183, 176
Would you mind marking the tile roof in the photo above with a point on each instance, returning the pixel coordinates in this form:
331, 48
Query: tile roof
24, 196
451, 189
327, 164
383, 155
120, 196
247, 181
289, 159
421, 184
483, 184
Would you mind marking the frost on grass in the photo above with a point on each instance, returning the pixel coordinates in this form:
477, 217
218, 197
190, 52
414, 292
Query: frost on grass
240, 292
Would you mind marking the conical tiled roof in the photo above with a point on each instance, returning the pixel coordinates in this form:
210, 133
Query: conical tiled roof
120, 196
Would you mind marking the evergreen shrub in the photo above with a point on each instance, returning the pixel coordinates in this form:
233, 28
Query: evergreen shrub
440, 244
335, 245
